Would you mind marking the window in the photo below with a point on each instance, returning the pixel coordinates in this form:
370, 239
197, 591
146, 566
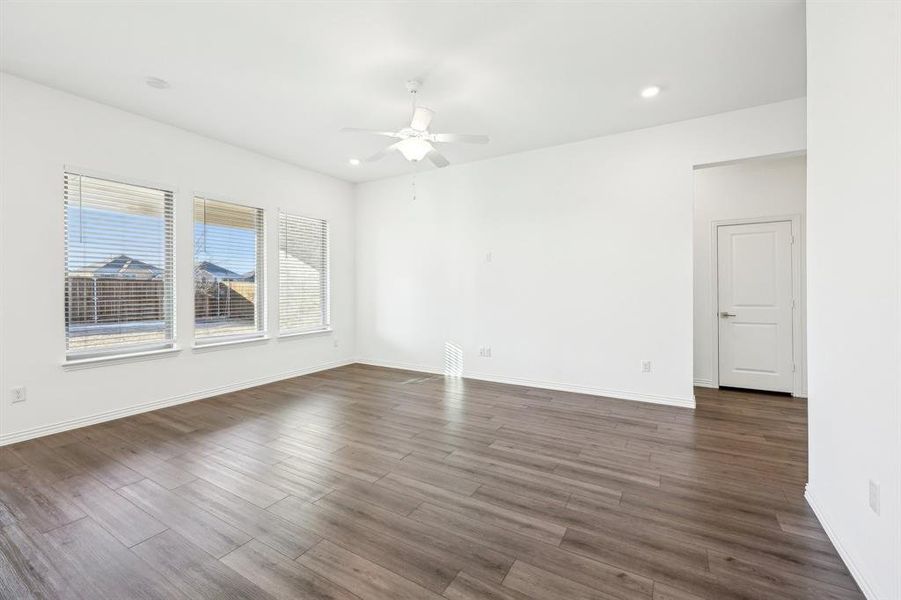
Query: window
119, 267
228, 271
303, 295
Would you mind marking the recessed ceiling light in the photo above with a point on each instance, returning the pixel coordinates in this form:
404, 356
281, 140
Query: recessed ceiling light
650, 91
157, 83
354, 162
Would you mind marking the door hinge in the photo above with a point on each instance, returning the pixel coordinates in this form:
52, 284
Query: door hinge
793, 238
793, 368
793, 303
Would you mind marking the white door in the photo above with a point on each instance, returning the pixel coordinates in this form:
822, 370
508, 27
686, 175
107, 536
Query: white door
754, 264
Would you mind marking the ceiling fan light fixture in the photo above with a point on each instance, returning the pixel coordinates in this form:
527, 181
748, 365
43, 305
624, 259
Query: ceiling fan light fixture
414, 149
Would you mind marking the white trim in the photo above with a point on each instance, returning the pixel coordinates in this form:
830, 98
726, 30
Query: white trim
294, 334
372, 362
856, 573
798, 354
231, 341
97, 361
707, 383
42, 430
547, 385
592, 391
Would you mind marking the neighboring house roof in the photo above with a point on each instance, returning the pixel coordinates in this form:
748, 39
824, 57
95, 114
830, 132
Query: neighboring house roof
126, 267
217, 272
121, 266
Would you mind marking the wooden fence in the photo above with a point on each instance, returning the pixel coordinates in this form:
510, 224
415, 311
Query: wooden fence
109, 300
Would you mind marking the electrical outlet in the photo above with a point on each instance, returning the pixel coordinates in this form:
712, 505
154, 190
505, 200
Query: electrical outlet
17, 394
645, 366
485, 351
489, 257
335, 342
874, 496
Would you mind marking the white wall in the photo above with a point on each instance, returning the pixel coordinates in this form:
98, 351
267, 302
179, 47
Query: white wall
43, 130
854, 281
591, 257
768, 187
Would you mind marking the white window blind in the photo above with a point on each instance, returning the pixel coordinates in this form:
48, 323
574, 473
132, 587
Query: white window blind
303, 291
228, 271
119, 267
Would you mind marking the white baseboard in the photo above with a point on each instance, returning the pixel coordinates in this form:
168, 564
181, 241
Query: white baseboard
372, 362
856, 573
42, 430
547, 385
60, 426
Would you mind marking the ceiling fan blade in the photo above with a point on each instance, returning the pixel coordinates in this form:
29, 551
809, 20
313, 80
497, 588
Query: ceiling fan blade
382, 153
437, 158
466, 138
422, 116
372, 131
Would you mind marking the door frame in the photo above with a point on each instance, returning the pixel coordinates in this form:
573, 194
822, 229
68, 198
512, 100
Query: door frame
799, 358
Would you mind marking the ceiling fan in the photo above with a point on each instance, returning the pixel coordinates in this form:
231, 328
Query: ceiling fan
415, 142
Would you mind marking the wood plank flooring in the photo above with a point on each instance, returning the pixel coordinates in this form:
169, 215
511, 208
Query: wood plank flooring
377, 484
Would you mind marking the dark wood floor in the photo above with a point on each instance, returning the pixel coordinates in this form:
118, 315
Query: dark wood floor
371, 483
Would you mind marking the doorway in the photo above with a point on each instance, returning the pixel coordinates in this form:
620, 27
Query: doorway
750, 307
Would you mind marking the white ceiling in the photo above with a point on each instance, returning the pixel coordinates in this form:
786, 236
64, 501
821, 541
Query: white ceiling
282, 78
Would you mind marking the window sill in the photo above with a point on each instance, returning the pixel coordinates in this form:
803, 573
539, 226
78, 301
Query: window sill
99, 361
200, 347
289, 335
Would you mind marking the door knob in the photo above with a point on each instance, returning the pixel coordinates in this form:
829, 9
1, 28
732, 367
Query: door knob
724, 315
